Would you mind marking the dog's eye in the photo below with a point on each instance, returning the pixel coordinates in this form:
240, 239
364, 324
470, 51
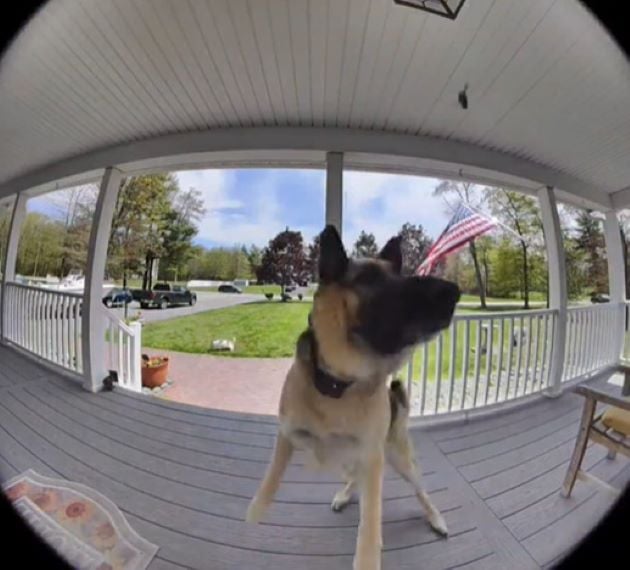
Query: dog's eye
370, 276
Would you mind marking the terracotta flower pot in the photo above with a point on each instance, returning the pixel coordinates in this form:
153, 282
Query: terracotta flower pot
154, 376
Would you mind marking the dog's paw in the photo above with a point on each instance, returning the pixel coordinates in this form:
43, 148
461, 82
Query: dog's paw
438, 524
340, 501
255, 511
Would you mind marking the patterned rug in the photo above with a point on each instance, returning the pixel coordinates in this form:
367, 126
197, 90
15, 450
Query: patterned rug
85, 527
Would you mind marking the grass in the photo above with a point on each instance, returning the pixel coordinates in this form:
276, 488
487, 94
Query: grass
270, 329
265, 329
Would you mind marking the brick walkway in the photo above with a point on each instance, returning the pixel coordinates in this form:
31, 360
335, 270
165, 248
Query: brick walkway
235, 384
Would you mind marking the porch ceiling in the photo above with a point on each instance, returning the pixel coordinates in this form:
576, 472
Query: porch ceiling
92, 80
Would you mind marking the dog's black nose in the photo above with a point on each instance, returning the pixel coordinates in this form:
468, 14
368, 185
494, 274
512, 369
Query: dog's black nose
431, 300
447, 294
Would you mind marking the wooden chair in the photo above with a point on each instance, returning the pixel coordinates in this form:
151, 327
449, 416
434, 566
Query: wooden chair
610, 428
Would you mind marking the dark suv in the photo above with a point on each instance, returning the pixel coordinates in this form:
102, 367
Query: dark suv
165, 295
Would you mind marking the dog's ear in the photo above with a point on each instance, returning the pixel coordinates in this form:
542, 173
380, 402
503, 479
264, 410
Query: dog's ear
392, 252
333, 261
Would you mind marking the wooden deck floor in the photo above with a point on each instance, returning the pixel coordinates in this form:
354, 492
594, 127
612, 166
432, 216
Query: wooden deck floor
184, 476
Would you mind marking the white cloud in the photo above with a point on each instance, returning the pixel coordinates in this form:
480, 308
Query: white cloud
229, 220
401, 199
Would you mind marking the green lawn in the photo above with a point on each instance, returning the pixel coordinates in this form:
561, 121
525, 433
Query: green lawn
270, 329
265, 329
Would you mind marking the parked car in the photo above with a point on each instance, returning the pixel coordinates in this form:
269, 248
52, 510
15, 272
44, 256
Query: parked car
117, 297
140, 294
164, 295
600, 298
229, 288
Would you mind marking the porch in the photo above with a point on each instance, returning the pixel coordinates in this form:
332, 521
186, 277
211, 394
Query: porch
183, 477
337, 86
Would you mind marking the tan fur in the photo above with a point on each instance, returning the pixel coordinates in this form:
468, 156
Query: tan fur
353, 434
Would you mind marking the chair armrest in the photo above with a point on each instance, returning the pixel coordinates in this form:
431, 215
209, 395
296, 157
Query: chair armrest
603, 397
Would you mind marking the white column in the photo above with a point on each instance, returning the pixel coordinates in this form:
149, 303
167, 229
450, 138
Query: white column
616, 274
614, 250
93, 322
557, 284
10, 257
334, 190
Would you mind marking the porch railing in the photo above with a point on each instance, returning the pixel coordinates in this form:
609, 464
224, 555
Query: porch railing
592, 342
482, 360
46, 323
123, 350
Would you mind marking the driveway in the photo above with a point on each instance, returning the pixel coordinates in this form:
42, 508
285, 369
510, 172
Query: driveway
206, 301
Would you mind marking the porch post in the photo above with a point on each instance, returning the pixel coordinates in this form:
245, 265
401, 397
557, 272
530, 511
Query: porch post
616, 274
10, 257
334, 189
558, 297
92, 321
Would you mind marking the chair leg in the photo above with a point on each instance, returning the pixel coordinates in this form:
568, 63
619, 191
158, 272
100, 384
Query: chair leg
580, 447
618, 438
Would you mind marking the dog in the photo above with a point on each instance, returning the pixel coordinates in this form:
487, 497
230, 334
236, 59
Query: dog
336, 404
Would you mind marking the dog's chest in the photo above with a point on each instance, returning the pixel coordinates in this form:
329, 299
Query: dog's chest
327, 449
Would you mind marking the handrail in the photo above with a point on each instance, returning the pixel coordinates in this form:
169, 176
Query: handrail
118, 322
45, 289
504, 314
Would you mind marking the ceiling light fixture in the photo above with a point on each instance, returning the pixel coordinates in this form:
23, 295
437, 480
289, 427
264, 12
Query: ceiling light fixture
445, 8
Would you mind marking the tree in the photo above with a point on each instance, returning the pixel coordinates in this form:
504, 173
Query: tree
254, 257
74, 211
415, 243
313, 259
468, 193
178, 230
506, 263
521, 214
365, 246
590, 240
5, 222
139, 225
284, 260
41, 246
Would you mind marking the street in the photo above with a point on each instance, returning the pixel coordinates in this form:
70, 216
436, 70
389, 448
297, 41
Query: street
206, 301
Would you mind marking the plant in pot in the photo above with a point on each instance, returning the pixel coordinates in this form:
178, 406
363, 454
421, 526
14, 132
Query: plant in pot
154, 370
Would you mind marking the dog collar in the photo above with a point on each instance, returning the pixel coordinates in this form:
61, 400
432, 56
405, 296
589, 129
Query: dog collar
326, 384
329, 385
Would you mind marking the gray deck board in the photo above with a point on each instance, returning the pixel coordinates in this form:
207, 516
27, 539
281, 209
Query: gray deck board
183, 477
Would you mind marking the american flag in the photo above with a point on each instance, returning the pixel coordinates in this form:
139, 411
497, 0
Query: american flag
463, 226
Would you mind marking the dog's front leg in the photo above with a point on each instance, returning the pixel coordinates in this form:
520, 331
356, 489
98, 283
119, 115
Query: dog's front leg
269, 485
369, 538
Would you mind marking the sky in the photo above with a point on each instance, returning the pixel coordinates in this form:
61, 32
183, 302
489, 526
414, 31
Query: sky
251, 206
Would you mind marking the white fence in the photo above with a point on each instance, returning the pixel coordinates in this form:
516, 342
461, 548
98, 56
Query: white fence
123, 352
46, 323
482, 360
592, 339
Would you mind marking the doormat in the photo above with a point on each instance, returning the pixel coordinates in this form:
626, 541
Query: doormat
81, 524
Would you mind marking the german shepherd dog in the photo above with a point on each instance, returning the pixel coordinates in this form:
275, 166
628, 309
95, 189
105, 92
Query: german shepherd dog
336, 404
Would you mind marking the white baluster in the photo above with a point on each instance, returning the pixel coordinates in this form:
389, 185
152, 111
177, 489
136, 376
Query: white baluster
466, 356
452, 364
489, 353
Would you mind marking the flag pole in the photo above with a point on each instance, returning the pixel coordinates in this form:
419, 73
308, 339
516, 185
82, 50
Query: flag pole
497, 222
